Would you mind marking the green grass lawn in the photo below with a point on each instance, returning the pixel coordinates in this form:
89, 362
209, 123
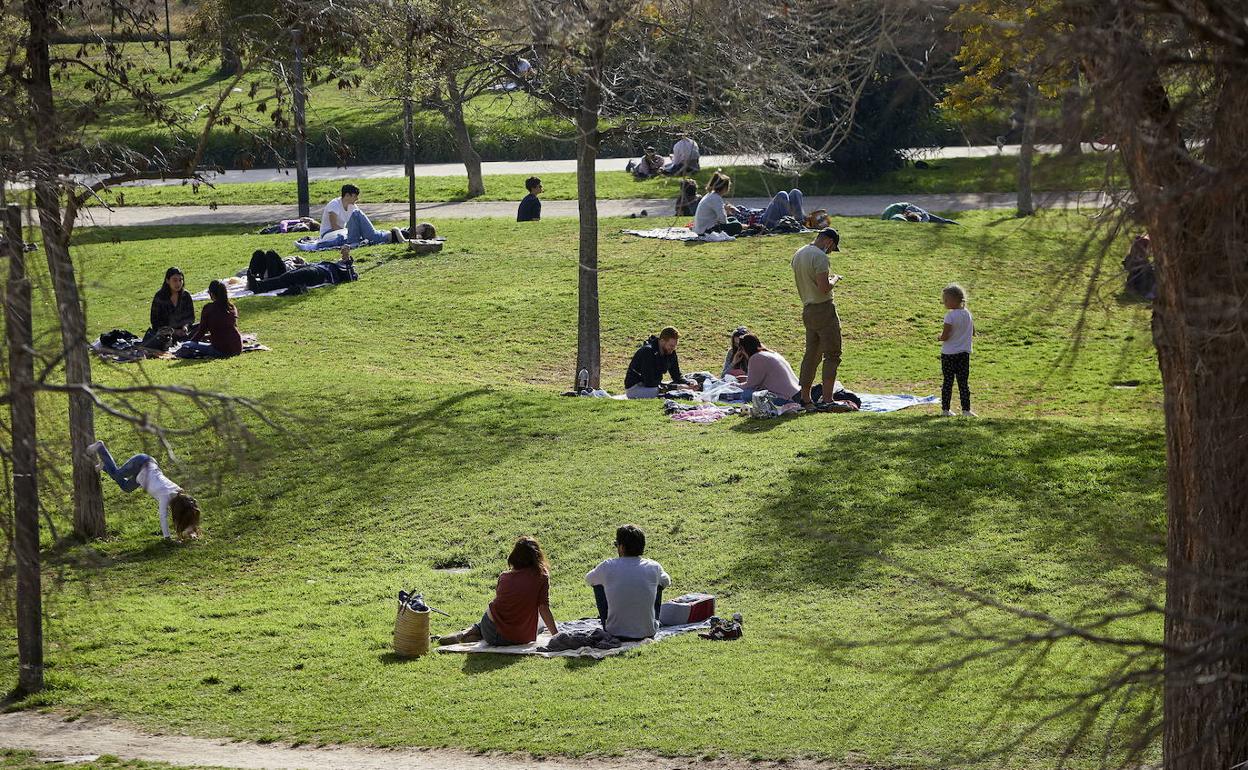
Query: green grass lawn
425, 428
1087, 172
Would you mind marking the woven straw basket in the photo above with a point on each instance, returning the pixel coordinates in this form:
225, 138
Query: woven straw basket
411, 632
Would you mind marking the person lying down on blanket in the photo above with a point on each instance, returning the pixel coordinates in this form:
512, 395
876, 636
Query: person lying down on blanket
271, 273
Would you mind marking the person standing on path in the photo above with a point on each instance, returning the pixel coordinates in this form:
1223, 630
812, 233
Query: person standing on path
823, 327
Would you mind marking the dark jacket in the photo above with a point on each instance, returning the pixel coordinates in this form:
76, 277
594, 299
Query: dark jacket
164, 313
219, 322
530, 209
649, 364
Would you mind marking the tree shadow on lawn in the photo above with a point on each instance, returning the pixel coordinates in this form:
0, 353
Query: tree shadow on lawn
1015, 491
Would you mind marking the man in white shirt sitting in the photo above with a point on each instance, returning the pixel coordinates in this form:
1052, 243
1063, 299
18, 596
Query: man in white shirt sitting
685, 155
343, 223
629, 589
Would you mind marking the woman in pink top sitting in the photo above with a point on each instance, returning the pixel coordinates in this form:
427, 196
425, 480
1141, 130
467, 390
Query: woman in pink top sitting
767, 371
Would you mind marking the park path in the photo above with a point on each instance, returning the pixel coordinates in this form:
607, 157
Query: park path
81, 740
550, 166
837, 205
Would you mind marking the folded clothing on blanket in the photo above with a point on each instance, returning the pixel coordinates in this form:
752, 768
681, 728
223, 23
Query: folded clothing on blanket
587, 625
575, 640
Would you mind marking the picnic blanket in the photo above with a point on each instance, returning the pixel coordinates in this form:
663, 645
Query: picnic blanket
669, 234
872, 402
136, 353
236, 287
586, 625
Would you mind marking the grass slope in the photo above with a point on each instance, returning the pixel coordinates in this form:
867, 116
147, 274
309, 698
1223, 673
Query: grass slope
426, 430
1087, 172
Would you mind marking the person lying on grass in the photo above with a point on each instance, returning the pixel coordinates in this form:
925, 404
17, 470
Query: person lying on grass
629, 589
908, 212
218, 321
142, 471
315, 274
172, 313
523, 594
653, 359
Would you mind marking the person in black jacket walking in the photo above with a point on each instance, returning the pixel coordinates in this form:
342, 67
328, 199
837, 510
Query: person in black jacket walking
655, 357
173, 313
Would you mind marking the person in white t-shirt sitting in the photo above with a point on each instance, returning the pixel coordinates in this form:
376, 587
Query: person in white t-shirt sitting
142, 471
713, 214
344, 223
629, 589
955, 350
685, 156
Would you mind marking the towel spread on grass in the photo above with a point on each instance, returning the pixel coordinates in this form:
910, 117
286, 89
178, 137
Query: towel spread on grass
891, 403
136, 353
583, 626
236, 287
666, 234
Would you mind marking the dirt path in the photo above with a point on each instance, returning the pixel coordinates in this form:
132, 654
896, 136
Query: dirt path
52, 736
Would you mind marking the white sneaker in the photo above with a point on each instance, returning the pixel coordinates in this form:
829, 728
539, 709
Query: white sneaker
93, 451
946, 413
968, 413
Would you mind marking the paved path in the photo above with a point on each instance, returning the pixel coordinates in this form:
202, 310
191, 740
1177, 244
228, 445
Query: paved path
556, 166
84, 740
837, 205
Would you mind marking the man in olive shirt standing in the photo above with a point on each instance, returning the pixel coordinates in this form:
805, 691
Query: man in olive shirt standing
823, 326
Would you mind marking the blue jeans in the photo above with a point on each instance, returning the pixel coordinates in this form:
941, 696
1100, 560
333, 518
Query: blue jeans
359, 230
125, 476
198, 350
784, 205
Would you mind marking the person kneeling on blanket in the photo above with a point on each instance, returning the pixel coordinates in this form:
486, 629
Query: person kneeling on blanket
656, 356
523, 593
629, 589
277, 277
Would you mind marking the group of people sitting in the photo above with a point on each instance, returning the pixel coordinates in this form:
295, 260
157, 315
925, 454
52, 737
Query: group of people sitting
748, 359
628, 592
683, 160
712, 214
173, 321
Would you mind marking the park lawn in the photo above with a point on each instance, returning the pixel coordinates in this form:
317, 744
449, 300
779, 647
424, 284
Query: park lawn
424, 429
956, 175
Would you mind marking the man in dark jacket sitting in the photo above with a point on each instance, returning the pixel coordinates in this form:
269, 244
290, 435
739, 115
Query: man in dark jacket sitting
315, 274
653, 359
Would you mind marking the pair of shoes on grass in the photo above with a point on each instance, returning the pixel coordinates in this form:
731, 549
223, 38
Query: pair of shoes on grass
965, 413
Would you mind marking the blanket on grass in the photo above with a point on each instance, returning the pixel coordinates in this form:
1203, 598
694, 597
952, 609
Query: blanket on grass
236, 287
130, 355
587, 625
687, 234
892, 403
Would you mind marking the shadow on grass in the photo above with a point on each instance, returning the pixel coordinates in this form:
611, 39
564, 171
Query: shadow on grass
484, 662
918, 485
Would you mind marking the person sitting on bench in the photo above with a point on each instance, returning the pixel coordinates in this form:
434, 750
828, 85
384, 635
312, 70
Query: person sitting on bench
315, 274
629, 589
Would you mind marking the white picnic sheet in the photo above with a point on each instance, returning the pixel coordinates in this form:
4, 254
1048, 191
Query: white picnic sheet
236, 287
588, 624
677, 234
872, 402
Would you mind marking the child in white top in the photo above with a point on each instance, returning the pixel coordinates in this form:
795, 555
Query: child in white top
955, 350
142, 471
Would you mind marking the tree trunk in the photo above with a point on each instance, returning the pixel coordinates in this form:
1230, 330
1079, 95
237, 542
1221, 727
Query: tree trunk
588, 342
409, 163
1198, 227
88, 497
230, 61
1027, 151
1072, 117
17, 321
453, 111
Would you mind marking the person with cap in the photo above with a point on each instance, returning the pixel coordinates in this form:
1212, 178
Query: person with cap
815, 281
736, 362
651, 164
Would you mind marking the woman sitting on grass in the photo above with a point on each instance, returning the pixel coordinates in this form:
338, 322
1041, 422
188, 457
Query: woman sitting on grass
713, 213
218, 321
522, 595
173, 313
736, 362
768, 371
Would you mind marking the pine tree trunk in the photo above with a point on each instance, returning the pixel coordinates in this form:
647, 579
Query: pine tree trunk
1027, 152
88, 497
25, 492
1072, 117
588, 339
